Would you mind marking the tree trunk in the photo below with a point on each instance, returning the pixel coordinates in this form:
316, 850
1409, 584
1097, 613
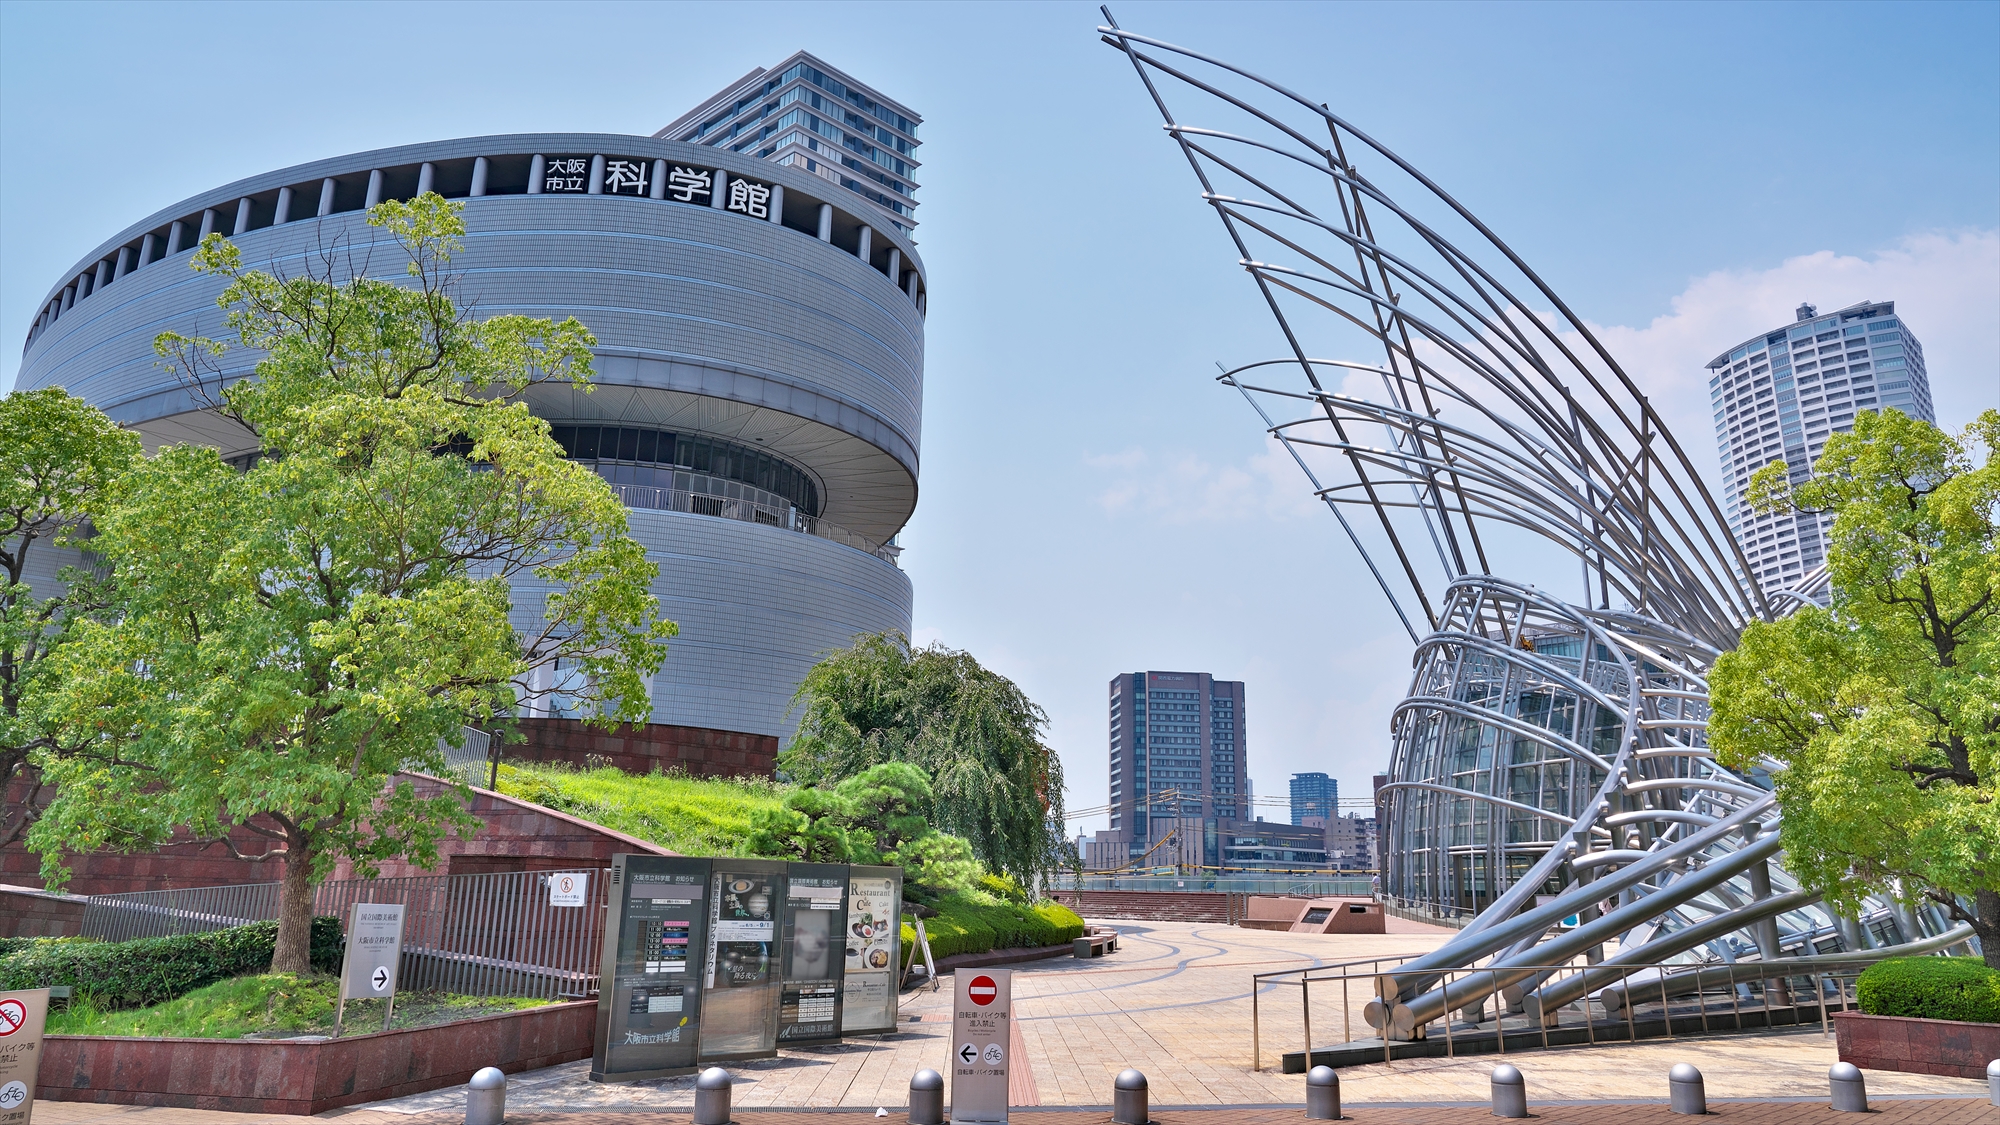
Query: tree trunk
295, 907
1987, 925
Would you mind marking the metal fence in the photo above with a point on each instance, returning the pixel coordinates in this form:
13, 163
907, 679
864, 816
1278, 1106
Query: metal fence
1331, 887
749, 511
492, 934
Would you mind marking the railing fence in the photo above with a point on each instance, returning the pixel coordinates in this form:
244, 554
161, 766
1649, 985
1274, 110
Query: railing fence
492, 934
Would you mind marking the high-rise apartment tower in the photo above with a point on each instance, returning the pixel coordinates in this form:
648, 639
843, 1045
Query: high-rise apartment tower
1177, 769
1314, 795
806, 114
1780, 393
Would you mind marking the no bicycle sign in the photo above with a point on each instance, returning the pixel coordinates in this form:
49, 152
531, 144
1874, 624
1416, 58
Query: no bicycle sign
979, 1025
22, 1016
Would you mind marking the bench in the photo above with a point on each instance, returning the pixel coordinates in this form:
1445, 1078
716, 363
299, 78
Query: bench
1096, 943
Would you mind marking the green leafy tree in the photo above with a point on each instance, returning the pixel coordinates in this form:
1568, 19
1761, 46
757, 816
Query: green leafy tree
58, 455
810, 825
1878, 717
295, 633
875, 817
972, 731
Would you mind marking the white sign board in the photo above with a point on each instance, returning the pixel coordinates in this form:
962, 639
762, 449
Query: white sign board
374, 950
22, 1017
979, 1045
568, 888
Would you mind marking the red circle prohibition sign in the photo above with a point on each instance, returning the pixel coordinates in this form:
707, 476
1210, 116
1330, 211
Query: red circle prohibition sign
982, 990
13, 1016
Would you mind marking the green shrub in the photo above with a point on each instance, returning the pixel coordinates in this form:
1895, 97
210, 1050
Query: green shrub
1004, 887
966, 923
12, 945
1932, 988
134, 974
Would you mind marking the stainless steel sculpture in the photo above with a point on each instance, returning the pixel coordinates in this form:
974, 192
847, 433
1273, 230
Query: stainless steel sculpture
1549, 768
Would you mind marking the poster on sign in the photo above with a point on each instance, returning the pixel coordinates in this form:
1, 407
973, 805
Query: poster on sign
22, 1019
568, 888
874, 950
815, 912
980, 1011
739, 1007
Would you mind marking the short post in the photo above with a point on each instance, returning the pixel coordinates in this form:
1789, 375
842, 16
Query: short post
711, 1097
927, 1098
1993, 1081
486, 1097
1322, 1094
1685, 1093
1510, 1092
1850, 1091
1128, 1099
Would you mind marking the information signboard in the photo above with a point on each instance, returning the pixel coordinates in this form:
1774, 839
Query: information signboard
874, 949
569, 888
655, 957
739, 1006
374, 958
815, 913
979, 1045
23, 1016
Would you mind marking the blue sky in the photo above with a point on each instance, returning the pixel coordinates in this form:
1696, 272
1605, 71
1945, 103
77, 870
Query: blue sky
1091, 502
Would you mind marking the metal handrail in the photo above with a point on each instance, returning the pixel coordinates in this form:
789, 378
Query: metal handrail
749, 511
1608, 1004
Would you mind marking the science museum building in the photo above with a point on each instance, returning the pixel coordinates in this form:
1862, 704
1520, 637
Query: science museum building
759, 372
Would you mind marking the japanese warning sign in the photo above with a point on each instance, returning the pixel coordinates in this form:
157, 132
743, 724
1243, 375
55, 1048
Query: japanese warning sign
979, 1030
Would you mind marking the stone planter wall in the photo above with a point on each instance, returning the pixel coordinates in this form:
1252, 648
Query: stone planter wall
1948, 1047
285, 1076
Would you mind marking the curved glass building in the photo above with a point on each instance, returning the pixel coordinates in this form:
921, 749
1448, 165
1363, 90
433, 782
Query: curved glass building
759, 368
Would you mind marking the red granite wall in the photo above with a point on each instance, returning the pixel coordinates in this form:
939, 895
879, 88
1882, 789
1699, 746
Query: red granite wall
1915, 1046
644, 749
33, 912
287, 1076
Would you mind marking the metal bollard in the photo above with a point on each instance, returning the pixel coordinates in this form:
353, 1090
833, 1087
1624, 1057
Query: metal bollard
927, 1098
1993, 1081
1510, 1092
711, 1097
1850, 1091
486, 1097
1128, 1099
1685, 1093
1322, 1094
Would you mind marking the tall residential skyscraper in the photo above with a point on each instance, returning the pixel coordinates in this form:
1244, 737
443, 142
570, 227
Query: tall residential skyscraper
1315, 795
1780, 393
807, 114
1177, 769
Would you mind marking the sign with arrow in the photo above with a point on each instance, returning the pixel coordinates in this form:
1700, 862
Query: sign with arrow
374, 955
979, 1026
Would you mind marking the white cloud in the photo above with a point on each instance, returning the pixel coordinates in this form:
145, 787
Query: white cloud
1946, 288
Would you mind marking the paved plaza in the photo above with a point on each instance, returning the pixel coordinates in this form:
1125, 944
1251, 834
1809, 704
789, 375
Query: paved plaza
1174, 1002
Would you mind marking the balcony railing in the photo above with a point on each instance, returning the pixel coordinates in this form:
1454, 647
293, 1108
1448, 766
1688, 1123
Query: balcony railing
747, 511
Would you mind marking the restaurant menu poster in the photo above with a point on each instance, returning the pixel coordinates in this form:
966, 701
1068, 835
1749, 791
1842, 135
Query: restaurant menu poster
874, 949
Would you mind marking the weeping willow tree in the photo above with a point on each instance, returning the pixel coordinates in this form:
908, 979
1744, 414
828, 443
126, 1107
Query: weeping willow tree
979, 737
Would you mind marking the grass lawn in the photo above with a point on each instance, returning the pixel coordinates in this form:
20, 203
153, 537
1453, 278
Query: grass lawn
273, 1006
690, 815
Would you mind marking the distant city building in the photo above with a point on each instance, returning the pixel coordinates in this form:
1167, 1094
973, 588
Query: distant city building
1314, 795
1350, 842
1263, 846
806, 114
1778, 395
1178, 785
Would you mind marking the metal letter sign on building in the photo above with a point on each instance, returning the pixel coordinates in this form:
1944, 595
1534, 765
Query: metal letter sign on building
656, 938
979, 1030
21, 1021
374, 952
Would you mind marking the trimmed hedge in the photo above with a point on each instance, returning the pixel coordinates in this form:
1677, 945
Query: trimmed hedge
965, 924
135, 974
1932, 988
